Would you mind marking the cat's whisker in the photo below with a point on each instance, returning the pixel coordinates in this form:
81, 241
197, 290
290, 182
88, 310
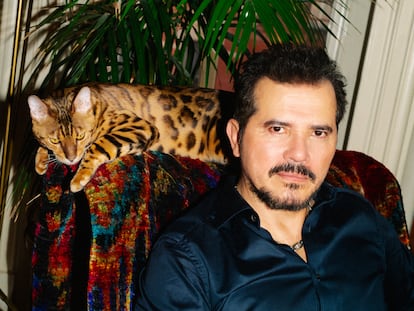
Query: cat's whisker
53, 160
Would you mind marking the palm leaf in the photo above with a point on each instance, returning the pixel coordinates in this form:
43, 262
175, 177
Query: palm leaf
143, 44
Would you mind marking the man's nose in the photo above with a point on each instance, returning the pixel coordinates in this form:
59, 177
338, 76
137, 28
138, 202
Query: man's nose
297, 149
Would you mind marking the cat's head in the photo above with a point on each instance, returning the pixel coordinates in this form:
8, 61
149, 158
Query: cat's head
64, 125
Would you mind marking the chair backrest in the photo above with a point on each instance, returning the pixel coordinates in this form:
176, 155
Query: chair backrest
364, 174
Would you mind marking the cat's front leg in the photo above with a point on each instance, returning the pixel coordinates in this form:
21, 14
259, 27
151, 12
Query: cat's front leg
86, 170
41, 160
129, 135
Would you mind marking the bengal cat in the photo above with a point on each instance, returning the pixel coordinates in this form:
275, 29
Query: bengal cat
96, 123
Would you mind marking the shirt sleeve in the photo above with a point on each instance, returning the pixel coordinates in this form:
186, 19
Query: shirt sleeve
399, 278
172, 279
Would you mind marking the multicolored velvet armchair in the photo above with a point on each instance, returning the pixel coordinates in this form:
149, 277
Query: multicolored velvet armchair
91, 246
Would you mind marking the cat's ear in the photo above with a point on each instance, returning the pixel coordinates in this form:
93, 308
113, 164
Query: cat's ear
82, 102
38, 109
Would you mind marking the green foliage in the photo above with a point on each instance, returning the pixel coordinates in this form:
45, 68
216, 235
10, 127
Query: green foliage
161, 41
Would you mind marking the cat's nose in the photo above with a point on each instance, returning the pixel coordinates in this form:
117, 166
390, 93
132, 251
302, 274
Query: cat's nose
69, 149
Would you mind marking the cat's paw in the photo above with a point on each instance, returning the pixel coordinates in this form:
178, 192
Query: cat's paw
79, 181
41, 160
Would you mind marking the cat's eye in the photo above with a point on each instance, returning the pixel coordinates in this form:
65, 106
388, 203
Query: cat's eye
54, 140
80, 136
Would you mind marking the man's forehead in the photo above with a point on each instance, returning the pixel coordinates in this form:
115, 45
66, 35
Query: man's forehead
289, 103
272, 90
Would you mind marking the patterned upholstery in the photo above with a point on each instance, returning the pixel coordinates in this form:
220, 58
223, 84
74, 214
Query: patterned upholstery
362, 173
90, 247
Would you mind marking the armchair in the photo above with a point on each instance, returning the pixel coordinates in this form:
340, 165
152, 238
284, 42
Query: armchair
90, 246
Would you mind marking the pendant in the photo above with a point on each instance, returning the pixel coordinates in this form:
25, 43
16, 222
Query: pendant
297, 246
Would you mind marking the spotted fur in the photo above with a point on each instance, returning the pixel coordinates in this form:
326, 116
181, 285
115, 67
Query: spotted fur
96, 123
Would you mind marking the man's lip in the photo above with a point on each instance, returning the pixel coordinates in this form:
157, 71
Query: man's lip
293, 176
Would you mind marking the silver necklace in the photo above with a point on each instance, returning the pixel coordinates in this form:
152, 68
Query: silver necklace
297, 246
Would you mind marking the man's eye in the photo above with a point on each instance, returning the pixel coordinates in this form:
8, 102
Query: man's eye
320, 133
276, 129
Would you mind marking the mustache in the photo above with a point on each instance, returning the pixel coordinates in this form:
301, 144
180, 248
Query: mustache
292, 168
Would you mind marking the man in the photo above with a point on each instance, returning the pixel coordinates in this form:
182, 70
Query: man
278, 237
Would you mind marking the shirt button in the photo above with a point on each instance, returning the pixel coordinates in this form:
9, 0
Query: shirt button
253, 218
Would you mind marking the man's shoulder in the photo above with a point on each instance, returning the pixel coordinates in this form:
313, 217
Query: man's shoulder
193, 229
344, 201
213, 210
333, 193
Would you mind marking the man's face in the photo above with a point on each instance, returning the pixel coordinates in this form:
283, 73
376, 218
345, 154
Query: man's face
288, 143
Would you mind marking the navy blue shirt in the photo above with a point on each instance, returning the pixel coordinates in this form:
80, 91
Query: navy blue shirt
217, 257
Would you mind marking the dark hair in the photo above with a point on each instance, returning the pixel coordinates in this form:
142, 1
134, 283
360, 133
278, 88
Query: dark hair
286, 63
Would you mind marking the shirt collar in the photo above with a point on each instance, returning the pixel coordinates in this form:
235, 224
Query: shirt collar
231, 203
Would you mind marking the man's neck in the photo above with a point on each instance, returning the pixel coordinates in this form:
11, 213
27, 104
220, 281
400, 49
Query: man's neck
284, 226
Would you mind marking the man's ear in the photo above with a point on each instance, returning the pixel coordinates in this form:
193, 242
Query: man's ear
232, 131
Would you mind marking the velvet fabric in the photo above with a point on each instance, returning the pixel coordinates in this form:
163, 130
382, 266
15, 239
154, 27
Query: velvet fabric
91, 246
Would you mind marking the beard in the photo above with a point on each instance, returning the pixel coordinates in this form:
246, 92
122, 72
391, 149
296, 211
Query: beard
291, 203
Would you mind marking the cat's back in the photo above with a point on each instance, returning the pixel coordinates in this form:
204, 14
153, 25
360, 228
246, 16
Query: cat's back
190, 120
152, 101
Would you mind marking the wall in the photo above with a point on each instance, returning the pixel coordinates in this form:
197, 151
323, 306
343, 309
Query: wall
7, 20
346, 46
383, 122
15, 245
